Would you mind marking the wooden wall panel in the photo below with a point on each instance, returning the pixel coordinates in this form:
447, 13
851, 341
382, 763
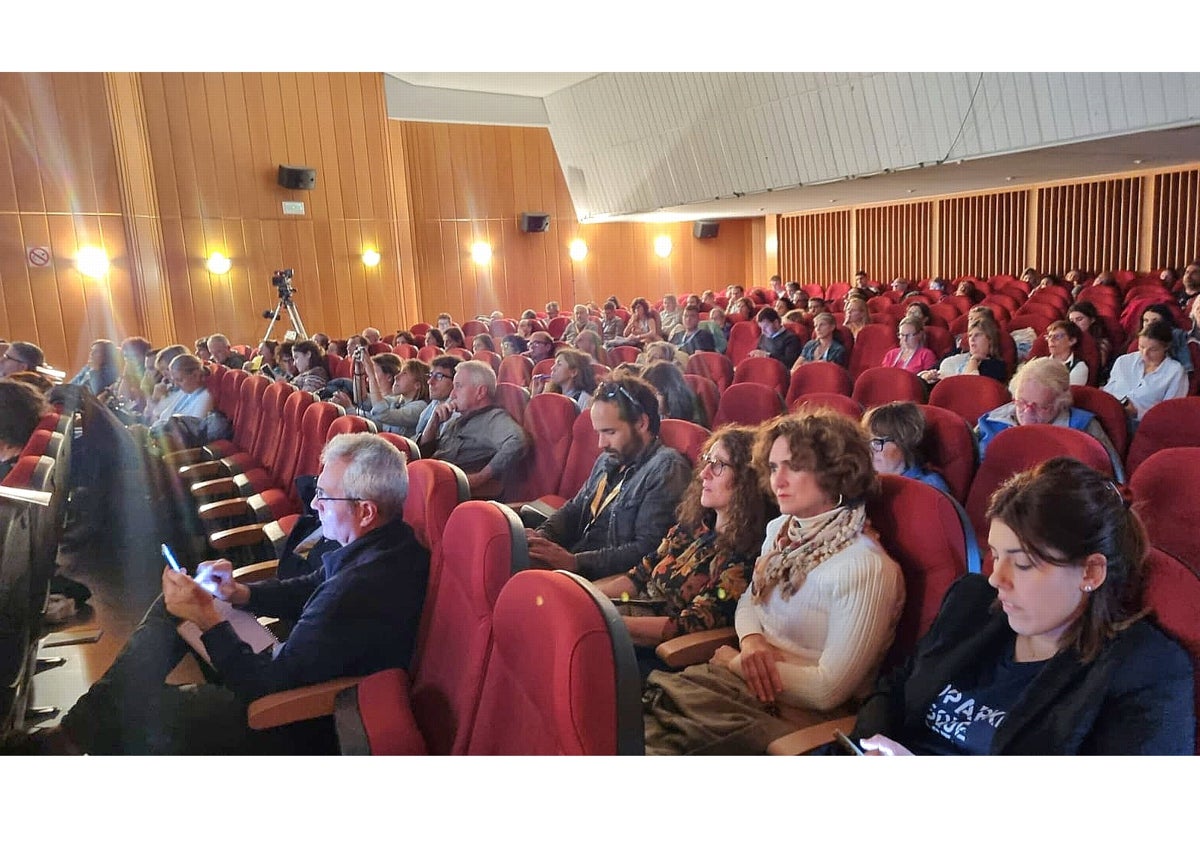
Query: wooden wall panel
894, 240
1176, 219
1090, 225
982, 235
815, 248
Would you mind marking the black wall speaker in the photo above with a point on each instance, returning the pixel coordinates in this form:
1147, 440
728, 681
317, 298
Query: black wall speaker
705, 230
297, 177
535, 223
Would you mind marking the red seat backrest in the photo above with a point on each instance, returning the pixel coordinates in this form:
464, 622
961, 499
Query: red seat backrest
684, 437
557, 326
870, 346
622, 353
1173, 591
714, 366
490, 357
939, 340
949, 446
1172, 423
748, 403
707, 393
1164, 489
969, 396
405, 351
931, 549
348, 425
227, 399
249, 411
876, 386
1108, 411
843, 403
287, 438
571, 693
515, 369
473, 328
427, 353
435, 488
379, 347
461, 353
743, 338
765, 370
513, 399
38, 443
819, 376
549, 419
270, 423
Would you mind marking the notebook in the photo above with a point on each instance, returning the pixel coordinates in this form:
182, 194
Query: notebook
245, 625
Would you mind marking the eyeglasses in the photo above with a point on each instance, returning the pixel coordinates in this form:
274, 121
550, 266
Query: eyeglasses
877, 444
438, 375
1027, 406
12, 358
1055, 337
614, 391
540, 342
907, 335
321, 497
713, 463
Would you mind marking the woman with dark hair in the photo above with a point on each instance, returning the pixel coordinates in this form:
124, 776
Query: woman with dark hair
675, 398
433, 338
818, 616
982, 356
1148, 376
968, 290
399, 392
1055, 645
1062, 339
1083, 314
454, 338
916, 307
643, 327
573, 376
483, 341
405, 337
102, 369
896, 431
513, 345
695, 577
313, 370
1179, 337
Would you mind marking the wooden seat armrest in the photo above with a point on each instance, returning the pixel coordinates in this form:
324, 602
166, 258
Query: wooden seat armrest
225, 509
201, 471
810, 738
300, 704
261, 571
690, 649
224, 487
179, 458
250, 535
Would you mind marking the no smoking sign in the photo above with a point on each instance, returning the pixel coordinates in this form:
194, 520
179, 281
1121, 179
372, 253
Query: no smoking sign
38, 256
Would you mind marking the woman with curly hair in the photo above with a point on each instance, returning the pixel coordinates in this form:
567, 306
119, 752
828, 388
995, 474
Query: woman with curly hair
643, 327
818, 616
693, 580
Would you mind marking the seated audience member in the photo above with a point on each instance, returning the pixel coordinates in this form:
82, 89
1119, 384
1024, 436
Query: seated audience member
21, 409
918, 309
643, 327
454, 338
581, 320
433, 338
552, 310
190, 397
573, 376
589, 342
513, 345
612, 326
528, 315
689, 336
982, 357
1029, 277
541, 346
441, 383
1178, 349
776, 341
938, 288
912, 354
670, 317
1063, 338
719, 325
39, 381
899, 285
202, 353
21, 356
970, 291
102, 369
377, 576
444, 322
744, 307
287, 363
399, 410
481, 437
708, 299
824, 345
863, 283
1055, 644
857, 315
482, 341
311, 365
1042, 394
322, 339
675, 398
405, 337
813, 306
782, 306
663, 352
1186, 296
128, 389
820, 612
777, 286
371, 335
1148, 376
628, 502
266, 362
221, 352
1194, 315
161, 388
897, 430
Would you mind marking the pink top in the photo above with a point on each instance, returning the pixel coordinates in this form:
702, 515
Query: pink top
922, 360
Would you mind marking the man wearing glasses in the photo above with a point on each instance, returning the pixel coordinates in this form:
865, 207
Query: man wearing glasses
541, 346
357, 614
628, 502
21, 356
441, 382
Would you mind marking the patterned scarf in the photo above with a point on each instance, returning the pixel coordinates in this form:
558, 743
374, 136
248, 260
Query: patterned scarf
802, 544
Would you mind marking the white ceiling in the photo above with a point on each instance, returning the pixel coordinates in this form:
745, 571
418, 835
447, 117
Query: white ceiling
514, 84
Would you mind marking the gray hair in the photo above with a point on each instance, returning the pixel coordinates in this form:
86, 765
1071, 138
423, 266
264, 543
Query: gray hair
376, 470
1048, 372
480, 373
220, 338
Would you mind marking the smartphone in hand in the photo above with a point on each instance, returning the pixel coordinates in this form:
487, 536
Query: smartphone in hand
169, 557
847, 743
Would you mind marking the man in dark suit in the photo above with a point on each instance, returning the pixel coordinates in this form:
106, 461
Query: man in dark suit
776, 341
689, 336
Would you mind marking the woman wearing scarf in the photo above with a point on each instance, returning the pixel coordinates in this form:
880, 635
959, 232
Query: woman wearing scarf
818, 617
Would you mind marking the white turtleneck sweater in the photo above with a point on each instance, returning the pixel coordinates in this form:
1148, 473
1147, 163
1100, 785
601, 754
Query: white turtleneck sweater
834, 632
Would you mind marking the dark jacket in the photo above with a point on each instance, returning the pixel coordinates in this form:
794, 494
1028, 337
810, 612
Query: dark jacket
638, 518
356, 615
701, 339
1136, 697
784, 346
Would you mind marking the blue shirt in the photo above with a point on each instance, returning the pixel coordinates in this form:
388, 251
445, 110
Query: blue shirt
929, 477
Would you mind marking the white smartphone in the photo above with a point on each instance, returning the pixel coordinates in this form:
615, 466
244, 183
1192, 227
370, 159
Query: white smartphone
169, 557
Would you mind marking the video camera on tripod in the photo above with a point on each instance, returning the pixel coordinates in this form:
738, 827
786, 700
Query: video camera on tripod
282, 281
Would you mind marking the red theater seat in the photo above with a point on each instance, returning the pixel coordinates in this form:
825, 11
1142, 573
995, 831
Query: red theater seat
876, 386
969, 396
1172, 423
748, 403
714, 366
1165, 488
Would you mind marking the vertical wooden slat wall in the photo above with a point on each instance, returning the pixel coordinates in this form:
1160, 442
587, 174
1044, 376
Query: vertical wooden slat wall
893, 240
1090, 225
815, 247
1176, 219
470, 184
981, 235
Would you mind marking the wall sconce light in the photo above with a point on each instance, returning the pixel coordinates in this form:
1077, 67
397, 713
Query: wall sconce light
218, 263
371, 258
772, 244
481, 253
578, 249
92, 261
662, 246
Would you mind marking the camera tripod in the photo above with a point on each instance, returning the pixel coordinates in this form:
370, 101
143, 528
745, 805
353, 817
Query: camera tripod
294, 314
